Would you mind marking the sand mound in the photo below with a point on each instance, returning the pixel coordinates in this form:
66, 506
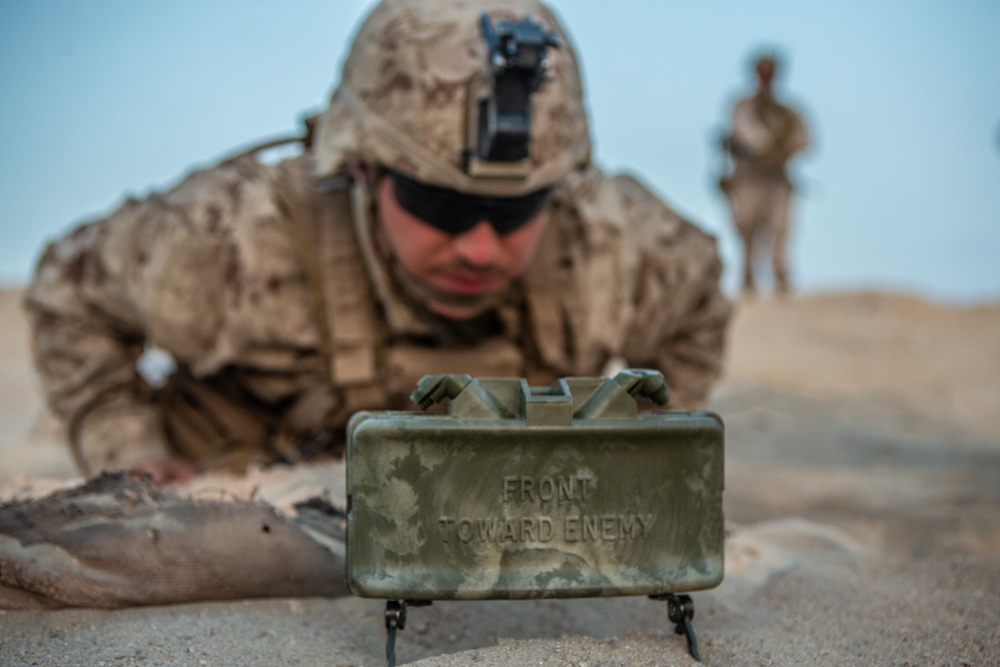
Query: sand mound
862, 503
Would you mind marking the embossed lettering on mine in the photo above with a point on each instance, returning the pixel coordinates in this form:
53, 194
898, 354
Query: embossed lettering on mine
544, 529
544, 492
607, 527
497, 530
547, 488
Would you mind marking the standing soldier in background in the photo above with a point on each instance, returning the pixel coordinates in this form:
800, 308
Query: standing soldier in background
445, 216
765, 134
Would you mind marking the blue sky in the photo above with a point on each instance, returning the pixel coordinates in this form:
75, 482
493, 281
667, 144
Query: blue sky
107, 98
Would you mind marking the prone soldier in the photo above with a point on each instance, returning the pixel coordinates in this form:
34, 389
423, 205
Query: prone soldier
444, 216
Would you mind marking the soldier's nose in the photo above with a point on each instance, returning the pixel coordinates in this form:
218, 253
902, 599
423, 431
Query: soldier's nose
480, 246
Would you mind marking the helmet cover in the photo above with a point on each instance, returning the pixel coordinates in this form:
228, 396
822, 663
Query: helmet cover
406, 98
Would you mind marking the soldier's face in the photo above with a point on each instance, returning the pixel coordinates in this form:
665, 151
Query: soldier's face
470, 266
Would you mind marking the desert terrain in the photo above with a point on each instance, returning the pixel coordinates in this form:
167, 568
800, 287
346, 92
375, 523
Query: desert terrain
862, 506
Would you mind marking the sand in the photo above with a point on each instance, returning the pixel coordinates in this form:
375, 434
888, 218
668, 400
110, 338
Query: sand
862, 504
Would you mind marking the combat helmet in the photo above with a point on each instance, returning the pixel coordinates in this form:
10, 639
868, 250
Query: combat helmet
418, 80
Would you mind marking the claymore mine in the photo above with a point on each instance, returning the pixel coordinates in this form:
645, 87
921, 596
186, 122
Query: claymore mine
525, 492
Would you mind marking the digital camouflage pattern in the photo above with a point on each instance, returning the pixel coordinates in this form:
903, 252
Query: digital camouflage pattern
405, 91
262, 282
211, 272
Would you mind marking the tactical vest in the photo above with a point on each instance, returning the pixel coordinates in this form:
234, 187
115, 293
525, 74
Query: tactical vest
568, 318
374, 346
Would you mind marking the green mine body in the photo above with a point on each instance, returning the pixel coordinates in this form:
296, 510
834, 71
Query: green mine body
524, 492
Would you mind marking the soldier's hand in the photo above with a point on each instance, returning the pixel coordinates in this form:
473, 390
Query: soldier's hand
166, 471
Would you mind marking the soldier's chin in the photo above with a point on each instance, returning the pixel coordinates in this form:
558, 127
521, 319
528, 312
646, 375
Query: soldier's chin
442, 302
457, 306
457, 312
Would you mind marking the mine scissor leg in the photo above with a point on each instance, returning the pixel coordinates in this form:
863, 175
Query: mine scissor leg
680, 611
395, 619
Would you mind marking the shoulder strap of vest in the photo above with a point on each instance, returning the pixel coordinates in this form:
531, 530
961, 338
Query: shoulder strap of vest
341, 297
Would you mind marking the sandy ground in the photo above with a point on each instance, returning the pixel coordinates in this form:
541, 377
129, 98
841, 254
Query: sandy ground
862, 501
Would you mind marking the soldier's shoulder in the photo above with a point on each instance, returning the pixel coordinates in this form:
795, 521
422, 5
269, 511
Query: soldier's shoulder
222, 196
625, 202
658, 226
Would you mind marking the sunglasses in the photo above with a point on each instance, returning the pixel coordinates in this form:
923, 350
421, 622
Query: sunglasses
454, 213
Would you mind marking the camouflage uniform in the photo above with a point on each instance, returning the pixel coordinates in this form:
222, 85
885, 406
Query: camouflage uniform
266, 286
765, 135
